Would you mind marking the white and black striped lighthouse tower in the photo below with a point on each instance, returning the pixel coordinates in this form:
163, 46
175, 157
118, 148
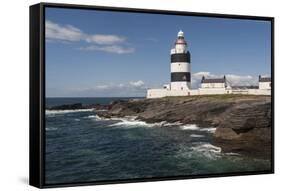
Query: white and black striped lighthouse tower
180, 65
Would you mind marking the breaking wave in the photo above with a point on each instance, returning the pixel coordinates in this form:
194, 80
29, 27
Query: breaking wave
124, 122
94, 117
51, 129
207, 150
133, 121
193, 127
207, 147
232, 154
189, 127
53, 112
129, 122
171, 124
196, 136
209, 129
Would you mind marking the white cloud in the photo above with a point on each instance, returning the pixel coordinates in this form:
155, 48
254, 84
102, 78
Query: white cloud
236, 80
129, 89
110, 49
56, 31
232, 79
131, 84
138, 83
102, 87
104, 39
121, 85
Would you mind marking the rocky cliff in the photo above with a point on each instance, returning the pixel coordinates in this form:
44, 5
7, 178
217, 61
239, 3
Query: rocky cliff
243, 121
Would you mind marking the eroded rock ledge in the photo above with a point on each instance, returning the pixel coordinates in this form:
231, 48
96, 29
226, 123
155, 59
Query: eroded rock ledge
243, 121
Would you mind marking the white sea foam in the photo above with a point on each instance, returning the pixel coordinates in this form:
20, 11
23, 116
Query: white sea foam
77, 119
98, 118
191, 127
196, 136
207, 147
232, 154
208, 129
165, 124
95, 117
132, 123
100, 109
53, 112
51, 129
207, 150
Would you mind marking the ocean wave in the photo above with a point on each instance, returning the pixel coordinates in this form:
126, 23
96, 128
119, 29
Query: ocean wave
191, 127
196, 136
232, 154
53, 112
208, 129
51, 129
207, 150
90, 116
98, 118
165, 124
207, 147
132, 121
127, 122
100, 109
194, 127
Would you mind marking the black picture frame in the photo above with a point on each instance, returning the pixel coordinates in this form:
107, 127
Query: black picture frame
37, 92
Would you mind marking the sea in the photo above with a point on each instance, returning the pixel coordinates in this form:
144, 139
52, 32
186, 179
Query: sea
83, 147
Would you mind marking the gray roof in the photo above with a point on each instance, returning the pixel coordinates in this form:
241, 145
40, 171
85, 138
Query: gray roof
244, 87
265, 79
214, 80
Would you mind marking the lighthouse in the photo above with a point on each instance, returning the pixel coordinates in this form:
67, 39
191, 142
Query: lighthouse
180, 64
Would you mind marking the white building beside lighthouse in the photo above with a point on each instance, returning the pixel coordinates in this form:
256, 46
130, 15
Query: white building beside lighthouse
180, 84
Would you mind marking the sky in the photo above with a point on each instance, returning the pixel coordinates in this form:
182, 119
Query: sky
93, 53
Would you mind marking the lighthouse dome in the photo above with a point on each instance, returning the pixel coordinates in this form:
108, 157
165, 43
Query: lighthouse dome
180, 33
180, 38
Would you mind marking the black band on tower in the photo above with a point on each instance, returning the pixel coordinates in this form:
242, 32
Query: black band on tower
180, 77
183, 57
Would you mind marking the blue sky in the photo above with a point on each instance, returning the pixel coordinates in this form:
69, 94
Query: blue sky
103, 54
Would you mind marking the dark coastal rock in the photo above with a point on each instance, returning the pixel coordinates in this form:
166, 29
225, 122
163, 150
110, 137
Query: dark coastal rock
79, 106
243, 121
67, 107
96, 106
255, 142
246, 127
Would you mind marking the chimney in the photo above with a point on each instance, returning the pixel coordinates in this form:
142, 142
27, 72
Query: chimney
203, 78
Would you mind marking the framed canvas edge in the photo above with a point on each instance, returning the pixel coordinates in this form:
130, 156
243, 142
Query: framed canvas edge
39, 102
